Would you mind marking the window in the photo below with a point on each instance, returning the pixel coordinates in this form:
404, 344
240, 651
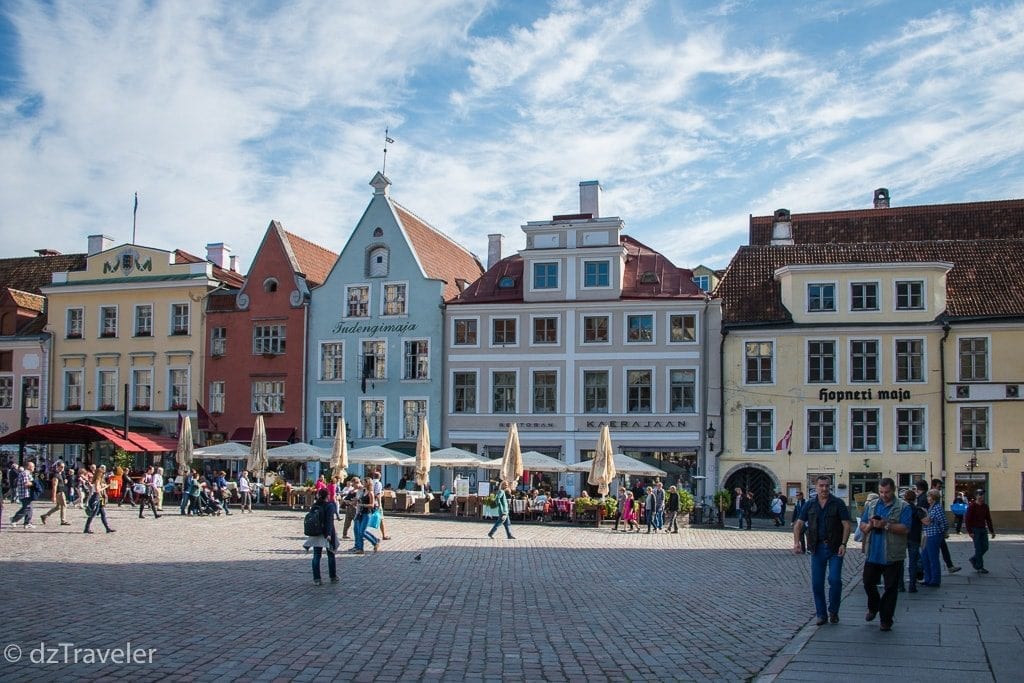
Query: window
682, 390
394, 299
545, 391
108, 321
638, 391
595, 273
107, 390
545, 330
142, 389
907, 480
375, 359
268, 339
358, 298
270, 285
821, 297
759, 362
373, 419
821, 362
332, 363
465, 332
545, 276
178, 381
30, 391
218, 341
910, 429
464, 392
595, 329
378, 265
973, 359
863, 296
6, 361
758, 430
268, 396
330, 412
973, 429
682, 328
639, 328
503, 392
910, 295
179, 319
417, 359
863, 360
595, 391
72, 390
6, 392
143, 320
864, 429
217, 397
821, 430
503, 331
702, 281
73, 326
909, 360
412, 411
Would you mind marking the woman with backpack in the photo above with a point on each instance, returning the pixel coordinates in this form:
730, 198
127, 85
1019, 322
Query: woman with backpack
321, 535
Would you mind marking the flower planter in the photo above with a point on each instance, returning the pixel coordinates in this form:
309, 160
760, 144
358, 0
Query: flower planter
489, 511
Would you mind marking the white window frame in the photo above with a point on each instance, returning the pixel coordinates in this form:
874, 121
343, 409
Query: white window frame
668, 328
533, 276
924, 361
99, 387
476, 390
835, 360
188, 387
218, 344
557, 317
515, 389
608, 390
276, 400
321, 366
31, 402
640, 342
669, 387
896, 428
348, 298
625, 389
321, 431
835, 297
583, 330
896, 294
7, 395
363, 400
135, 320
276, 343
455, 323
117, 321
836, 431
404, 285
988, 358
405, 355
771, 434
216, 400
583, 274
880, 435
492, 343
988, 427
702, 281
403, 426
878, 359
80, 373
774, 360
172, 329
135, 388
558, 389
68, 332
878, 296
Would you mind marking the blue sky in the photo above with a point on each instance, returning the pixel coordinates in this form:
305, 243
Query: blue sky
693, 115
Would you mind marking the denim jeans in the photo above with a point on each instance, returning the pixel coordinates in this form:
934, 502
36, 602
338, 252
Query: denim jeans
824, 559
362, 521
25, 511
332, 568
914, 556
932, 568
502, 519
980, 547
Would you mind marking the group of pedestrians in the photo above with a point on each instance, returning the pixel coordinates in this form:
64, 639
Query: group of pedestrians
659, 509
897, 534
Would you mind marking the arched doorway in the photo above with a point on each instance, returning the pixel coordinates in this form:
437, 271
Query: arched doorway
757, 479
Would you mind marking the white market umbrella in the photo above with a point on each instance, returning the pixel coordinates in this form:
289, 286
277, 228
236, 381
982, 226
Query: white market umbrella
378, 455
229, 450
257, 463
299, 452
422, 471
339, 452
602, 470
512, 458
532, 461
183, 455
623, 465
455, 457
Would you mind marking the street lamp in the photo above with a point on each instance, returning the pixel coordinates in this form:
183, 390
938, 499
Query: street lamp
711, 436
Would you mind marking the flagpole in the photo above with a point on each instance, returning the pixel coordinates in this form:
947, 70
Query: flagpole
135, 213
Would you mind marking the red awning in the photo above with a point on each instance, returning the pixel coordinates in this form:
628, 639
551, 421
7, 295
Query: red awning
274, 435
73, 433
114, 437
152, 443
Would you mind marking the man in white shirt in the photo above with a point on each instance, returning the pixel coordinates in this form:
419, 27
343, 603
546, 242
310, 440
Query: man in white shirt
378, 488
158, 484
245, 491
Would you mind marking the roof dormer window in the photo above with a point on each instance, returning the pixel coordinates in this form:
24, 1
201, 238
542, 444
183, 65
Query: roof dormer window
649, 277
507, 282
378, 266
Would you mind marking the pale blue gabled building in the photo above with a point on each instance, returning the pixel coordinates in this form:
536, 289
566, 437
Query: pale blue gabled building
376, 339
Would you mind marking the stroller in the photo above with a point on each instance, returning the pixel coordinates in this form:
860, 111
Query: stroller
208, 505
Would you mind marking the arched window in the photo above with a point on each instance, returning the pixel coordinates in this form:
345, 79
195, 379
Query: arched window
270, 285
378, 266
378, 232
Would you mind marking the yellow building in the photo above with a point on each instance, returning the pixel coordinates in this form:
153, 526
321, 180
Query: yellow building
889, 345
132, 318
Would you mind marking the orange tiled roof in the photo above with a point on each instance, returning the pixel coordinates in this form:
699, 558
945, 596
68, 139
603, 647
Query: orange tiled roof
314, 261
228, 277
975, 220
441, 257
977, 286
27, 300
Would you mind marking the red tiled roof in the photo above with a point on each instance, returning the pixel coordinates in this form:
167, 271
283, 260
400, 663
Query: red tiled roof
669, 282
977, 286
228, 277
975, 220
441, 257
314, 261
30, 273
26, 300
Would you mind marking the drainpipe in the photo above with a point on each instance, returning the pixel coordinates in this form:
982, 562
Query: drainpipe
721, 402
704, 402
305, 345
942, 398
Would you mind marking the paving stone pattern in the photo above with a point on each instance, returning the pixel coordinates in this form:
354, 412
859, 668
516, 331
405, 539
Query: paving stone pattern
231, 598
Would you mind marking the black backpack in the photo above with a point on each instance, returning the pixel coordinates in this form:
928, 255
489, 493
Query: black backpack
313, 524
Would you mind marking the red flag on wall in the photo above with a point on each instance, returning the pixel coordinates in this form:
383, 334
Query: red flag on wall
783, 444
202, 417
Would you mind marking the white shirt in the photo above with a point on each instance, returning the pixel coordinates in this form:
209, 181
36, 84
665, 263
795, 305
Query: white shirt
243, 484
158, 481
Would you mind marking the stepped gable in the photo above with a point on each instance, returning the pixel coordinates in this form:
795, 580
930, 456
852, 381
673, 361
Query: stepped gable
975, 220
977, 286
441, 257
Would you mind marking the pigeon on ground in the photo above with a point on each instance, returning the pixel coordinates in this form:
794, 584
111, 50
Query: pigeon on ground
418, 557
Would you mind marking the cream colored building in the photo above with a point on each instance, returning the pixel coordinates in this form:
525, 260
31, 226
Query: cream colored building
889, 357
133, 317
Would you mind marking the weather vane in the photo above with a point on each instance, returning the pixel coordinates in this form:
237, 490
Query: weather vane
387, 141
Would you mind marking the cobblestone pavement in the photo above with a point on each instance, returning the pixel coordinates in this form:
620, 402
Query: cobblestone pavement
232, 597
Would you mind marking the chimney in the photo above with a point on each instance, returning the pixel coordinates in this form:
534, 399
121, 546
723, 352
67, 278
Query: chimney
493, 250
882, 198
217, 253
98, 243
590, 198
233, 260
782, 228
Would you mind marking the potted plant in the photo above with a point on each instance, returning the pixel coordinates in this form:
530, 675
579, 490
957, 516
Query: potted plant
686, 504
722, 500
611, 506
107, 406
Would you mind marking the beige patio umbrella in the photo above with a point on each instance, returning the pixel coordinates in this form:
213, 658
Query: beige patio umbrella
183, 456
339, 453
512, 458
422, 470
602, 469
257, 463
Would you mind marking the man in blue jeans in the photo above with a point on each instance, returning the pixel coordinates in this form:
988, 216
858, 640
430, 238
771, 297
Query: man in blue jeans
828, 527
979, 525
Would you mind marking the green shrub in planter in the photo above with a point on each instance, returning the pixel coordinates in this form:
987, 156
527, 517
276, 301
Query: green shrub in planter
685, 502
